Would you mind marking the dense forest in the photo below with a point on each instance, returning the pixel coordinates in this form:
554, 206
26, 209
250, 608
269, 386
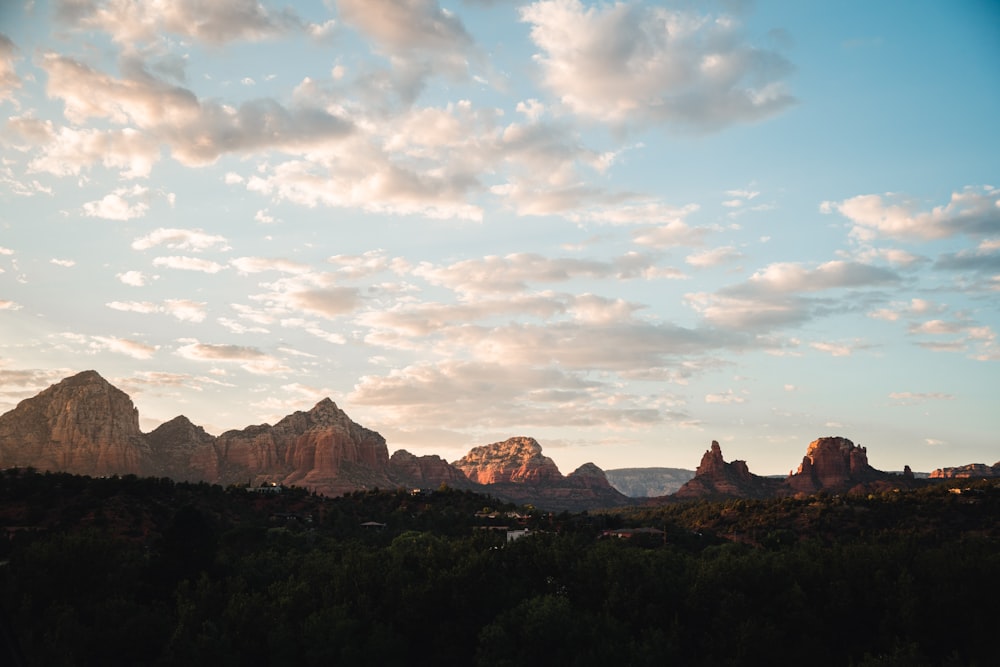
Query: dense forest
130, 571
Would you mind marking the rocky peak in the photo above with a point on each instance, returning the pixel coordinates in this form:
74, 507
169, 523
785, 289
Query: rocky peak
832, 463
423, 472
183, 451
82, 423
516, 460
715, 477
712, 462
588, 476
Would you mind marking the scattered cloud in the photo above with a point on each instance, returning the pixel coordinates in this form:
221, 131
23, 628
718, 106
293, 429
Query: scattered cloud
215, 23
726, 397
133, 278
194, 240
833, 349
250, 359
916, 398
183, 263
116, 205
714, 257
9, 79
632, 63
182, 309
130, 348
973, 211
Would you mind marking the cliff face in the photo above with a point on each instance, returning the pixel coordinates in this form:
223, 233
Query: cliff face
82, 424
515, 461
715, 478
833, 463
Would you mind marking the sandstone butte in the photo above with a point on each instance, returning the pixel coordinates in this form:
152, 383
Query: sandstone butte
832, 464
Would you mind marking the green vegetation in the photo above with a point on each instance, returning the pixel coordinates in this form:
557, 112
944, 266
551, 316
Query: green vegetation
129, 571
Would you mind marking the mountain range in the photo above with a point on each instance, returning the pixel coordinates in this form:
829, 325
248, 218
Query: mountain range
85, 425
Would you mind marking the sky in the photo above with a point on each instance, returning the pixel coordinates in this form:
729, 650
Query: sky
624, 229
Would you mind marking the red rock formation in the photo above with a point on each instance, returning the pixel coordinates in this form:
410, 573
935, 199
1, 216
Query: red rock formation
516, 460
425, 472
969, 471
833, 463
182, 451
322, 450
714, 478
82, 424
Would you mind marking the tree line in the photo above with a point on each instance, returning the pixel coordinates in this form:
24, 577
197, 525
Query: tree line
132, 571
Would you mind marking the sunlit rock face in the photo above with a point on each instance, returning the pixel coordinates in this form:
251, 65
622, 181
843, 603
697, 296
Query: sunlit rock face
969, 471
82, 424
322, 449
832, 463
515, 460
715, 478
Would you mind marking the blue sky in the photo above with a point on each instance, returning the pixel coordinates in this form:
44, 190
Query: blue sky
624, 229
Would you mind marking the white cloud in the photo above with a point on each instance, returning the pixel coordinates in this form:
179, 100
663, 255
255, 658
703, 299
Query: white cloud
714, 257
249, 359
912, 308
740, 313
401, 28
915, 398
197, 131
515, 272
789, 277
185, 309
63, 262
475, 396
974, 211
70, 150
130, 348
628, 62
9, 79
310, 293
188, 264
7, 304
215, 23
833, 349
144, 307
133, 278
194, 240
115, 206
726, 398
262, 264
672, 234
